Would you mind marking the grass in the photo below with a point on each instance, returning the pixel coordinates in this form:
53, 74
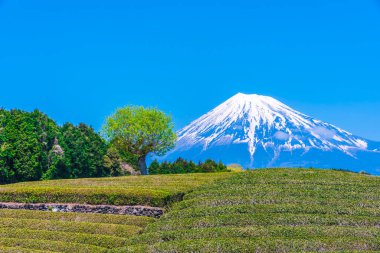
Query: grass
155, 190
271, 210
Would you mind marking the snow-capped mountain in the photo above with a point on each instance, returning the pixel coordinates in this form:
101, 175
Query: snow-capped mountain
260, 131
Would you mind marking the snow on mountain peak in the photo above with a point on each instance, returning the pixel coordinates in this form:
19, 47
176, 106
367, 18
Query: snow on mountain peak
262, 121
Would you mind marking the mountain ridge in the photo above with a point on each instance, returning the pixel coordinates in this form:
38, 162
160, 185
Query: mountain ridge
263, 132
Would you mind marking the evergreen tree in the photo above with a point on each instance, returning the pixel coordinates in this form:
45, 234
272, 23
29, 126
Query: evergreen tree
181, 165
84, 150
57, 167
34, 147
154, 167
25, 141
112, 162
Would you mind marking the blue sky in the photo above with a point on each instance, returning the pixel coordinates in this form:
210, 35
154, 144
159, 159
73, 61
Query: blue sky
79, 60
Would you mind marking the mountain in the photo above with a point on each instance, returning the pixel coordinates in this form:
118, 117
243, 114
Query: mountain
260, 131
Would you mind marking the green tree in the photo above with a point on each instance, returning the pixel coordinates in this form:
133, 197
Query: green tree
25, 141
154, 167
181, 165
112, 162
139, 131
58, 167
84, 150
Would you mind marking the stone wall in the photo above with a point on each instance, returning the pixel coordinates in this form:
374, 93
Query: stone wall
81, 208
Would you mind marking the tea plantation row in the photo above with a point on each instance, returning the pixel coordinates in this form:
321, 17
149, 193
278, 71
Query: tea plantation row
271, 210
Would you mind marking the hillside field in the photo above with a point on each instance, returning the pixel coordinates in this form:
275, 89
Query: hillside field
154, 190
268, 210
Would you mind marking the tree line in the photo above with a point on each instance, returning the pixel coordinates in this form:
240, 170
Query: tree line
181, 166
34, 147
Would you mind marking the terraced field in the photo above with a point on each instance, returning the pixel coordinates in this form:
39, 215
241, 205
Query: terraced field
272, 210
43, 231
155, 190
36, 231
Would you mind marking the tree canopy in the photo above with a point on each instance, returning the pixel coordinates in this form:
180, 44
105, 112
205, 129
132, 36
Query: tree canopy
139, 131
25, 142
85, 150
34, 147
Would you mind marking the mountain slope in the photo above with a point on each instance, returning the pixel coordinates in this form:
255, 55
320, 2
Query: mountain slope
260, 131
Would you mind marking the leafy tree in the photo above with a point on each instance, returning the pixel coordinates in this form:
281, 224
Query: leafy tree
34, 147
84, 150
25, 141
112, 162
58, 165
139, 131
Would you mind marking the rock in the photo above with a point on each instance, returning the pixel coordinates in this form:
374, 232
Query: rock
155, 212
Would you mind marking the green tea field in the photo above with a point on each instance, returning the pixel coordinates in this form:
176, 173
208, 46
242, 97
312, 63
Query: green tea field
154, 190
36, 231
269, 210
272, 210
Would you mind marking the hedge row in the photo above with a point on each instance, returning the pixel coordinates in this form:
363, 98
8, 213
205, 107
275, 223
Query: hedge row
159, 190
301, 208
4, 249
263, 232
29, 231
260, 245
71, 237
168, 183
65, 226
274, 210
55, 246
139, 221
89, 196
253, 219
216, 201
275, 192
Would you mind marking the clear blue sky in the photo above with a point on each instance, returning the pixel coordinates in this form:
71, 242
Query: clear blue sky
78, 60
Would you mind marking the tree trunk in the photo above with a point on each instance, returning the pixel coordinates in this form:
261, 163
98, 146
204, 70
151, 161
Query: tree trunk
142, 165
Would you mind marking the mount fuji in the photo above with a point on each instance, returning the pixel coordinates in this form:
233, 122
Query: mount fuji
259, 131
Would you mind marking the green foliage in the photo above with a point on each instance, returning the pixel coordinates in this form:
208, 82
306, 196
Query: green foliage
155, 190
140, 221
66, 232
138, 131
50, 246
85, 151
181, 166
17, 249
271, 210
57, 168
25, 142
58, 165
34, 147
112, 162
105, 241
